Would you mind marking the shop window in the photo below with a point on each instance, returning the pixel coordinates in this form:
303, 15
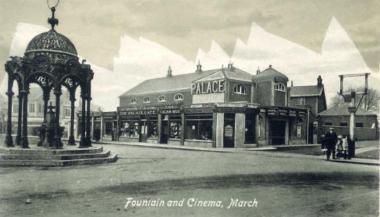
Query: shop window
343, 124
108, 128
146, 100
279, 87
161, 98
133, 101
175, 128
359, 125
178, 97
132, 130
240, 89
198, 127
152, 129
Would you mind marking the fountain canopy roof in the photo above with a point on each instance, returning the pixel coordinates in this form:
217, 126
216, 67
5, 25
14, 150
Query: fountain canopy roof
51, 42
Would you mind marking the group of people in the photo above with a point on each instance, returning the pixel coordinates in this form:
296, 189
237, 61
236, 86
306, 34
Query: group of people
337, 146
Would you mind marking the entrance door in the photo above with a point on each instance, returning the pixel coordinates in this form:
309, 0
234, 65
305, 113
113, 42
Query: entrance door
165, 132
250, 128
277, 132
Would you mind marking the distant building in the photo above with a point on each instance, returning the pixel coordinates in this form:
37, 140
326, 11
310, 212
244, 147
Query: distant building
338, 117
313, 98
35, 111
224, 107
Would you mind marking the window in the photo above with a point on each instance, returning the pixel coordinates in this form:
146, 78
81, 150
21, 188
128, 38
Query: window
146, 100
240, 89
328, 124
301, 101
178, 97
31, 108
39, 108
279, 87
198, 127
133, 101
161, 98
359, 125
175, 128
67, 112
343, 124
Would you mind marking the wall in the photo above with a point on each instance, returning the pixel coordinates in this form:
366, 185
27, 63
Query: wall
125, 101
361, 133
264, 92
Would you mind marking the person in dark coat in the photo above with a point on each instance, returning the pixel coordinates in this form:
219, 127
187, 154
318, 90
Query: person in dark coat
330, 141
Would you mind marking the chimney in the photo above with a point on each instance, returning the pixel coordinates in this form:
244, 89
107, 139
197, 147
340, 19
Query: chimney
199, 66
258, 71
270, 66
169, 72
291, 83
230, 66
319, 81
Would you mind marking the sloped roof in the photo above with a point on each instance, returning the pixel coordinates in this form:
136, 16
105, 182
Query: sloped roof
311, 90
269, 73
342, 109
183, 81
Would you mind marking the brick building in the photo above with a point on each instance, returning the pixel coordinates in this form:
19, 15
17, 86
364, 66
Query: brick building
225, 107
338, 117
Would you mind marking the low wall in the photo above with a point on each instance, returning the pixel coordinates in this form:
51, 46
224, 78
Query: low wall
127, 139
198, 143
314, 149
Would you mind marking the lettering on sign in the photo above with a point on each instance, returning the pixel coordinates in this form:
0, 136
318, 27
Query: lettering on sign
207, 87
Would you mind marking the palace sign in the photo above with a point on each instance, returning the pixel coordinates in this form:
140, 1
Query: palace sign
207, 87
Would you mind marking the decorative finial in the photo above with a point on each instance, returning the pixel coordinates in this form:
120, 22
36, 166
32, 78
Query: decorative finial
199, 66
52, 21
169, 72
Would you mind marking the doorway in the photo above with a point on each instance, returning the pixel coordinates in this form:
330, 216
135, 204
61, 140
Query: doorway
277, 132
164, 132
229, 128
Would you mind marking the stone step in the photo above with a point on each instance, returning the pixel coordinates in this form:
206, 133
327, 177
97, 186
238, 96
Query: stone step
44, 151
48, 156
53, 163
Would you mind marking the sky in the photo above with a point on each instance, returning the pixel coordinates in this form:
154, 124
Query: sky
184, 26
136, 40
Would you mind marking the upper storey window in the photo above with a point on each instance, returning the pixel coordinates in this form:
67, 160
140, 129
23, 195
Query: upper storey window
133, 101
178, 97
161, 98
240, 89
280, 87
146, 100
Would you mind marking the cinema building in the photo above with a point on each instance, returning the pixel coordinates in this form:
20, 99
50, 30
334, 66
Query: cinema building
225, 107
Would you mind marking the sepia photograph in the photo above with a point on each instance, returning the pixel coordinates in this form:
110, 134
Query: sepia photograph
175, 108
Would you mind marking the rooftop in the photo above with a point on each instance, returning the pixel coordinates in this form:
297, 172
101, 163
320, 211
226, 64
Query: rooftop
301, 91
342, 109
183, 81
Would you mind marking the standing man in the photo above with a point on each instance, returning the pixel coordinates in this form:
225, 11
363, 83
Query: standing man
330, 141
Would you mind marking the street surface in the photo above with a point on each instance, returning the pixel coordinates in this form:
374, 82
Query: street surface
283, 185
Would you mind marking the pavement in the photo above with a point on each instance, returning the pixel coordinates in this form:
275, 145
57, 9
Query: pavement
362, 161
284, 184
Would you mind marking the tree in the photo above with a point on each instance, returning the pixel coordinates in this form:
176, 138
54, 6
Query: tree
370, 102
